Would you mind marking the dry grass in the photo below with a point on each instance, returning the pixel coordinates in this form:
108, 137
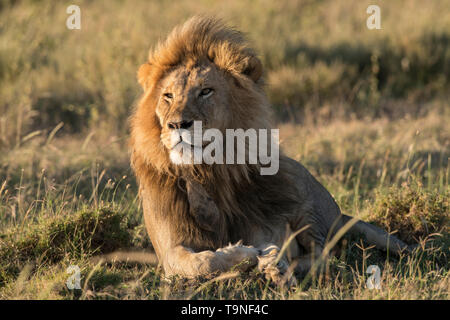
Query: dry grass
400, 192
371, 123
318, 55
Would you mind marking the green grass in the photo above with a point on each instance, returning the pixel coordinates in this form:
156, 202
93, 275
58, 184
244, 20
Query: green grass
67, 215
365, 111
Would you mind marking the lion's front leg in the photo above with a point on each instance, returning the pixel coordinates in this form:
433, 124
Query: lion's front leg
184, 261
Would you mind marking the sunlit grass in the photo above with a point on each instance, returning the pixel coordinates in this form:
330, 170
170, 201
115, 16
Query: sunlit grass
80, 187
368, 115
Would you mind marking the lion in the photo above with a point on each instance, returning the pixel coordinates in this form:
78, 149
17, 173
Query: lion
203, 219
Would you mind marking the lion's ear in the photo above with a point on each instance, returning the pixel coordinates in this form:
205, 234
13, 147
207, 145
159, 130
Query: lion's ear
253, 68
143, 73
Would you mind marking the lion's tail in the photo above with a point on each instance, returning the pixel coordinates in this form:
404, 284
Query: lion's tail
377, 236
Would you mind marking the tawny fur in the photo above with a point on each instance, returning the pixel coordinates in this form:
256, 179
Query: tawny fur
193, 212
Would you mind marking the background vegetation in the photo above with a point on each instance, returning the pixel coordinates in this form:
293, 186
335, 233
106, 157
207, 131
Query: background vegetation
366, 111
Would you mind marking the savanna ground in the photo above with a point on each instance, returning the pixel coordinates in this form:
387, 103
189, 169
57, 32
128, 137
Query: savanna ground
366, 111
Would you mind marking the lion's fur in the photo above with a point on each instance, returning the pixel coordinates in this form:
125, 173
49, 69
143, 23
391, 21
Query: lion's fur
245, 198
201, 38
251, 205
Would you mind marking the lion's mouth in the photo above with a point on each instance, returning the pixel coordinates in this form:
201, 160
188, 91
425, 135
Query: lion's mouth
184, 143
188, 143
185, 153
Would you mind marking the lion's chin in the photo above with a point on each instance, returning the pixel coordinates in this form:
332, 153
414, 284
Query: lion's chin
185, 154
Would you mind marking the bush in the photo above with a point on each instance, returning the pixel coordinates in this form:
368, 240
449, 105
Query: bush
411, 210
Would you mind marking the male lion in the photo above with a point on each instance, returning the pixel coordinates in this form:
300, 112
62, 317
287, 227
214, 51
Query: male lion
204, 218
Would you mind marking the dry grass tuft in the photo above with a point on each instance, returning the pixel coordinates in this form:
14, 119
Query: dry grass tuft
412, 211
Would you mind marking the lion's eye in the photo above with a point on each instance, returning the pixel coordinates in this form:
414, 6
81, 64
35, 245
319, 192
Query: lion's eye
168, 96
205, 93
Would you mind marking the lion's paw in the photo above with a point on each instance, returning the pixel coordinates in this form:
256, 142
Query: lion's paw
276, 271
241, 257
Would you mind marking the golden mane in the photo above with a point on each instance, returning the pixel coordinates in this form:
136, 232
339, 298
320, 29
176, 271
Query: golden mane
201, 38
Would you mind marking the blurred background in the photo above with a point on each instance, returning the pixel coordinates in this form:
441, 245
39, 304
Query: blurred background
367, 111
320, 58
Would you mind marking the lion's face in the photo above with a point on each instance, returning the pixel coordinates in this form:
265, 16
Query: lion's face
188, 94
203, 72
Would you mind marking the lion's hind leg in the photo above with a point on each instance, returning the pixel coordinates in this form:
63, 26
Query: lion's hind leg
310, 262
312, 258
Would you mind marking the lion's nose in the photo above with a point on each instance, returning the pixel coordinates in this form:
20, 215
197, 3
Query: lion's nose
180, 125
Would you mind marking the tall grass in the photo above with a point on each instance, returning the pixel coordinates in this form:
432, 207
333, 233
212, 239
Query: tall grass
83, 206
368, 116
